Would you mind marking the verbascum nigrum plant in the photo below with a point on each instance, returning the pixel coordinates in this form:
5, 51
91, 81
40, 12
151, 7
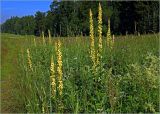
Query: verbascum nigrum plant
49, 36
92, 46
99, 33
29, 60
52, 78
59, 67
109, 39
100, 28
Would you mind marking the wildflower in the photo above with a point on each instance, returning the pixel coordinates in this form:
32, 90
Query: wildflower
59, 66
29, 59
52, 77
109, 34
92, 48
99, 34
100, 28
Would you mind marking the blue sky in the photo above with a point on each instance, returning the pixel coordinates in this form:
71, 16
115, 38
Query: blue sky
22, 7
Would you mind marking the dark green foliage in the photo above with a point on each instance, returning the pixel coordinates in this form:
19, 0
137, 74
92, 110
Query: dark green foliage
16, 25
40, 22
71, 18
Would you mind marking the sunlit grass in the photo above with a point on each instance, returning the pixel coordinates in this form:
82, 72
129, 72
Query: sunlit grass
126, 65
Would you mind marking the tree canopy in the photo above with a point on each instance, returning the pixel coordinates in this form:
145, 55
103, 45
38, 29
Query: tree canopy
71, 18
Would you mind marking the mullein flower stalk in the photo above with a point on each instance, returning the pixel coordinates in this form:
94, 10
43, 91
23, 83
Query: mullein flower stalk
109, 40
100, 28
92, 47
29, 60
99, 33
59, 67
52, 78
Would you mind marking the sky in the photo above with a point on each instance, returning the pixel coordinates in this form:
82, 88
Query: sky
22, 8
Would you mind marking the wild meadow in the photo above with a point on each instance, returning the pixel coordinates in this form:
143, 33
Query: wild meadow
90, 74
94, 74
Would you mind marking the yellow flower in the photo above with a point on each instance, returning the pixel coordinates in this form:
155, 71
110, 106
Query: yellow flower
92, 47
100, 28
59, 66
52, 78
109, 35
29, 59
99, 34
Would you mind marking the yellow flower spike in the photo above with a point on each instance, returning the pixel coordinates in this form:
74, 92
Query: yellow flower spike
99, 34
92, 47
100, 28
109, 34
29, 60
49, 35
59, 66
52, 78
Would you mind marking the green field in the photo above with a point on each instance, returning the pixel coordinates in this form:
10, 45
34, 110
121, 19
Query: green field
126, 80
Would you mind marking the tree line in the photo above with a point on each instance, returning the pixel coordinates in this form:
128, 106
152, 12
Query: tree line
71, 18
